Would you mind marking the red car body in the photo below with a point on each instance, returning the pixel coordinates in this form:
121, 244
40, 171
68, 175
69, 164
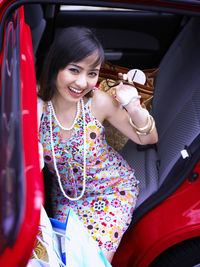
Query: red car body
19, 254
174, 220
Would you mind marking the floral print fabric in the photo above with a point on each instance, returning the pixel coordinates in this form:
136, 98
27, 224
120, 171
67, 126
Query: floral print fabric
111, 187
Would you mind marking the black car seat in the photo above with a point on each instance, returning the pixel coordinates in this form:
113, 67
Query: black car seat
161, 169
35, 19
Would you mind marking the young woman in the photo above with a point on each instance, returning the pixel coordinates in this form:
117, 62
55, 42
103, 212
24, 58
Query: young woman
90, 176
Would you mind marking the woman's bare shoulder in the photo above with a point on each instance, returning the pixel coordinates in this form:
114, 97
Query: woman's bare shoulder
103, 104
102, 99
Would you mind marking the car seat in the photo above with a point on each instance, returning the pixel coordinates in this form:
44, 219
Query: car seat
163, 167
34, 18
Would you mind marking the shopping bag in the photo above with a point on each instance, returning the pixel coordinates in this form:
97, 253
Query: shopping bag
81, 249
46, 251
67, 244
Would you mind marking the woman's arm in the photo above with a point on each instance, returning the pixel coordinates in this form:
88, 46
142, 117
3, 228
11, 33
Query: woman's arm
106, 107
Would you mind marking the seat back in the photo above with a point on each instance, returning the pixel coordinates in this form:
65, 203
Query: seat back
35, 19
176, 104
176, 109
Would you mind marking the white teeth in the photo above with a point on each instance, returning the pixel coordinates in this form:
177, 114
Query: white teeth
76, 91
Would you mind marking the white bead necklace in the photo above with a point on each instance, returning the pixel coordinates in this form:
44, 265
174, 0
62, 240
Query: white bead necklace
75, 119
84, 153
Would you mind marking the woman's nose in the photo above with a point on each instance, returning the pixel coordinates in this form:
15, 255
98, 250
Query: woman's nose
81, 81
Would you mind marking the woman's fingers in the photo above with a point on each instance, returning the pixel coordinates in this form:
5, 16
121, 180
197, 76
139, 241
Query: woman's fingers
120, 75
125, 92
125, 77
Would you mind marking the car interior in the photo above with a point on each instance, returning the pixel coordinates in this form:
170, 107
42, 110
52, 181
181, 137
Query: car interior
143, 39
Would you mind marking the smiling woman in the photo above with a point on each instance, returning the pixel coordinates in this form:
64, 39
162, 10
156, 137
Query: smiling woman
67, 62
85, 75
88, 174
157, 35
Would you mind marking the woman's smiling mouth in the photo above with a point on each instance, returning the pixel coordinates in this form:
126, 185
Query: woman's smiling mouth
75, 92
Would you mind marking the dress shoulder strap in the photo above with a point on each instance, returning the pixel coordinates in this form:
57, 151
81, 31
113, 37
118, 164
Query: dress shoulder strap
89, 102
40, 104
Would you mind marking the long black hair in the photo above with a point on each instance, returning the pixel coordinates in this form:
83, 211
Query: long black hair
72, 45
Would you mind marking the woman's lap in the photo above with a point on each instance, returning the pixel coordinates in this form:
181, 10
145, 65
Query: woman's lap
106, 217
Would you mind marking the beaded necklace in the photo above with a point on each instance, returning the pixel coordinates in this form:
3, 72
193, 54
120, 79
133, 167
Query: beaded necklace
84, 149
75, 119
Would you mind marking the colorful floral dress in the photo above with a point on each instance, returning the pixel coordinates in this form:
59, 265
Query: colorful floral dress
111, 187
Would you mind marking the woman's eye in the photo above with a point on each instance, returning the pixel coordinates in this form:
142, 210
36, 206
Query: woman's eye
93, 74
73, 70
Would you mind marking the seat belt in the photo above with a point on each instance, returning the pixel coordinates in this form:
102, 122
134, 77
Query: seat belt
188, 151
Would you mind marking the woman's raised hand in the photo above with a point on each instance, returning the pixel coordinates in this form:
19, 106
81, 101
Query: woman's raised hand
126, 93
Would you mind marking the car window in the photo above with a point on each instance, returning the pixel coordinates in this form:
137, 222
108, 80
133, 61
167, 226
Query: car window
131, 38
92, 8
11, 163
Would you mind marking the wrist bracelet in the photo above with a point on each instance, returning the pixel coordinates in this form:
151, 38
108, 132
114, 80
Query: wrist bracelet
139, 130
147, 125
125, 104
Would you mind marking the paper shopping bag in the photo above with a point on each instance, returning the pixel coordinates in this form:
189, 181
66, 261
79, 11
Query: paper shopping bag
66, 244
81, 249
46, 251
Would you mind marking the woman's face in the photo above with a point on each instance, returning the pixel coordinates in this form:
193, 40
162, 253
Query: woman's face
77, 79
